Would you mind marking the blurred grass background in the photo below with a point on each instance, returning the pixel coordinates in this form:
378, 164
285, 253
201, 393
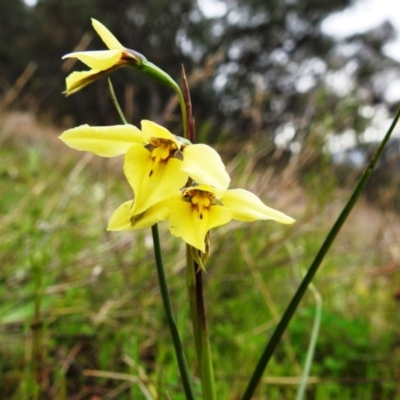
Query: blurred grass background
80, 310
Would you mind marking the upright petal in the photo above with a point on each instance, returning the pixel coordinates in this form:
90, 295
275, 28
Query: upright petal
107, 141
246, 206
151, 181
187, 224
99, 60
204, 165
152, 130
106, 36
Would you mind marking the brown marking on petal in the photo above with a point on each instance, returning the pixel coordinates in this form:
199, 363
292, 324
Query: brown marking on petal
201, 216
149, 147
151, 173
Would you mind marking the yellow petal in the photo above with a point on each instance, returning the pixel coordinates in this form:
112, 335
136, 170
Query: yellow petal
158, 212
151, 182
184, 222
152, 130
120, 219
106, 36
246, 206
204, 165
79, 79
105, 141
100, 60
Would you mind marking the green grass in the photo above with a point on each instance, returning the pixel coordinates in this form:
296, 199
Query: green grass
80, 309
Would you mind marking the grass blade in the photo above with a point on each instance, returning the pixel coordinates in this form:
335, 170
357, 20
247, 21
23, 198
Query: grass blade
287, 316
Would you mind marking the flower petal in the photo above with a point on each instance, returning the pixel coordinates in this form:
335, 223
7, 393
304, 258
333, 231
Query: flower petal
79, 79
120, 219
99, 60
106, 36
152, 130
246, 206
186, 223
151, 182
204, 165
154, 214
107, 141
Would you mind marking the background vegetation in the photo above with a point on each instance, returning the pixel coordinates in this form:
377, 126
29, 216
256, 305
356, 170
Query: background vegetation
80, 311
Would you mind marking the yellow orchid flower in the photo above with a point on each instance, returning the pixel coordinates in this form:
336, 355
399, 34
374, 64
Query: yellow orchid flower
195, 210
103, 62
100, 62
156, 164
164, 164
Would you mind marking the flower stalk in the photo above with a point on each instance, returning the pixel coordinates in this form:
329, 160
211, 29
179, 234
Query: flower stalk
194, 274
180, 354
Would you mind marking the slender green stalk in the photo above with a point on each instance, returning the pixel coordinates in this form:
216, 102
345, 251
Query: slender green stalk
313, 342
115, 101
287, 316
180, 355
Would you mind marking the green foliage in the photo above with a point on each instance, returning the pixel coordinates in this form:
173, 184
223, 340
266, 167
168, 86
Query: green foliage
81, 312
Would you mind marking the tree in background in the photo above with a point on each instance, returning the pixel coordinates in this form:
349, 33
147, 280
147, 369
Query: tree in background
260, 64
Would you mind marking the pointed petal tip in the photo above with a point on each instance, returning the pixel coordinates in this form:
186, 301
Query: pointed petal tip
106, 36
287, 220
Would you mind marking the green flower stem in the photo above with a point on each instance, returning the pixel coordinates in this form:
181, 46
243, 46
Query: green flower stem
122, 116
157, 74
200, 331
115, 101
180, 355
287, 316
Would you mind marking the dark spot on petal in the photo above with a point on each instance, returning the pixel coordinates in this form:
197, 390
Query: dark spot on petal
149, 147
151, 173
201, 216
